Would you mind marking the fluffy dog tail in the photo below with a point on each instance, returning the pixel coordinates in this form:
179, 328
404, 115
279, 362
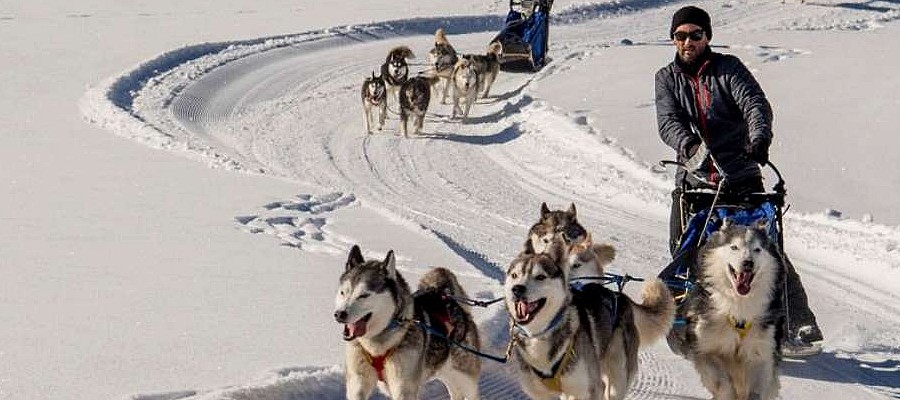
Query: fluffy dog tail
400, 52
443, 280
654, 317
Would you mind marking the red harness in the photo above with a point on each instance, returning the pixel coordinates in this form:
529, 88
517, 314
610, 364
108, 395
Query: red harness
377, 362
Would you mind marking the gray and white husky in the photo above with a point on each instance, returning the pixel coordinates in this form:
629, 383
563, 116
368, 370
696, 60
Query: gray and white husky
733, 318
415, 95
384, 344
465, 87
581, 344
374, 97
488, 66
442, 58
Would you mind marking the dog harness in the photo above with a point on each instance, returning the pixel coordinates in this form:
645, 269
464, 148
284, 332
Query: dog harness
377, 362
553, 382
742, 327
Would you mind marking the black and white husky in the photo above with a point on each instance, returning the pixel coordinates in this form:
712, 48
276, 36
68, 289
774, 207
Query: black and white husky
395, 70
385, 346
374, 97
581, 344
415, 95
442, 58
732, 315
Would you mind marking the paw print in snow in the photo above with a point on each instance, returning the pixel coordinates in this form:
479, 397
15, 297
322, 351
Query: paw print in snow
296, 222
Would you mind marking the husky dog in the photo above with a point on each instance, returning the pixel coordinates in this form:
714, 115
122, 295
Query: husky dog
374, 97
733, 315
415, 94
376, 308
465, 86
488, 66
556, 224
582, 344
589, 260
442, 59
395, 70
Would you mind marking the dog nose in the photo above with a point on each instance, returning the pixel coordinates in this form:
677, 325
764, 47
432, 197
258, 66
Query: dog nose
340, 316
518, 291
748, 264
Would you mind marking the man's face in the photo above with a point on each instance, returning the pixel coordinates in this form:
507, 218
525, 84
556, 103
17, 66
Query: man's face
690, 40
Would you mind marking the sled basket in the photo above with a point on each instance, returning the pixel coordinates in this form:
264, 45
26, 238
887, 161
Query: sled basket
525, 36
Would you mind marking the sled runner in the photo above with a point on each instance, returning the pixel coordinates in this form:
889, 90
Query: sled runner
524, 38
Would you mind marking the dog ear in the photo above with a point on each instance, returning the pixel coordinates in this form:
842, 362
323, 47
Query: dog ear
727, 222
763, 225
529, 247
390, 265
544, 210
355, 259
572, 211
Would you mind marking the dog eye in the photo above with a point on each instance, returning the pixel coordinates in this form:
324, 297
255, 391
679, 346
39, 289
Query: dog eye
514, 275
540, 277
734, 247
757, 250
364, 295
576, 266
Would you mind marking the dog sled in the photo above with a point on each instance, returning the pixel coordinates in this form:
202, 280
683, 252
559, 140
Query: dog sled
525, 36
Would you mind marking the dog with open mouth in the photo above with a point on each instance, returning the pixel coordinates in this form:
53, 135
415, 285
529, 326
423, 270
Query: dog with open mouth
398, 340
582, 344
732, 317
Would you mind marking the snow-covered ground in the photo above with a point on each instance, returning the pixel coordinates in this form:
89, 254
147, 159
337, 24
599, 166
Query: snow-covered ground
131, 272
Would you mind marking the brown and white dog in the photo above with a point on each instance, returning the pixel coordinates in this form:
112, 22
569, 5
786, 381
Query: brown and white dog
442, 58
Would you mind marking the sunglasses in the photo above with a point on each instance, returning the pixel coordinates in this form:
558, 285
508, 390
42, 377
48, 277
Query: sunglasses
694, 35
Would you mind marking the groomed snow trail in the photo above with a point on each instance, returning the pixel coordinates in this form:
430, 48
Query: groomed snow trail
293, 110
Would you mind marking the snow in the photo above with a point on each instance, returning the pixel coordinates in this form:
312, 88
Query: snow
185, 180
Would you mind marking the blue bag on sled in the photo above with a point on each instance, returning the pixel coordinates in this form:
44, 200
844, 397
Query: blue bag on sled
524, 38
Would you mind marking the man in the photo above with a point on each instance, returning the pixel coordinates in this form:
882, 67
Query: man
713, 113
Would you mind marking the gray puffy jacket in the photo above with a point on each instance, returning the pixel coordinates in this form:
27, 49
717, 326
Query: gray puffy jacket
725, 104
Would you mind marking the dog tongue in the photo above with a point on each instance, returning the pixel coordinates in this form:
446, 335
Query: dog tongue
743, 283
524, 309
355, 329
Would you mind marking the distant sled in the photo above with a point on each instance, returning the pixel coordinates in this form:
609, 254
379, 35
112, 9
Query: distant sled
525, 37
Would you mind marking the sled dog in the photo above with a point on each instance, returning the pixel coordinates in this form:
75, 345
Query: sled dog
395, 70
442, 59
589, 260
374, 97
556, 224
488, 66
384, 343
582, 344
415, 94
732, 317
465, 87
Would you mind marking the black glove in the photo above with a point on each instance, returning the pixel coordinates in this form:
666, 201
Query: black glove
758, 150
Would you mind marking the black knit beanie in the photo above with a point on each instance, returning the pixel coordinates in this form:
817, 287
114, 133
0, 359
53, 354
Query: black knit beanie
691, 15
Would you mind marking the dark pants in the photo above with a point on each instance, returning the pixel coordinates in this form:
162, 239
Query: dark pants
797, 310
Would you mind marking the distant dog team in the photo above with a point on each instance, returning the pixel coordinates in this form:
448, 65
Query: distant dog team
468, 75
